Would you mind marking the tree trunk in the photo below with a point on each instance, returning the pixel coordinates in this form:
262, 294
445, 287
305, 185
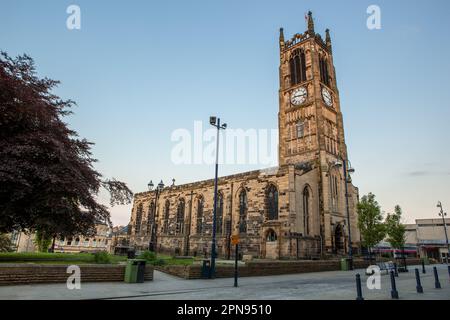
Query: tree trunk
52, 249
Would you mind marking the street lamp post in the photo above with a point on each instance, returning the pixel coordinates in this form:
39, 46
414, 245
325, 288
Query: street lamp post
159, 188
347, 171
214, 121
443, 214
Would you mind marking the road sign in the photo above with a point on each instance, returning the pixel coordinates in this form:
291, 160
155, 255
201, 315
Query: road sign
234, 239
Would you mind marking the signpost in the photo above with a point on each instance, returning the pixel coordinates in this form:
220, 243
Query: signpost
235, 242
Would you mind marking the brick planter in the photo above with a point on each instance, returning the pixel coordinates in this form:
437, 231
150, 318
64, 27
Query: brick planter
14, 274
265, 268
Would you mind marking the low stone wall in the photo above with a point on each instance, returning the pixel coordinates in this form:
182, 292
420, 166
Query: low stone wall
14, 274
266, 268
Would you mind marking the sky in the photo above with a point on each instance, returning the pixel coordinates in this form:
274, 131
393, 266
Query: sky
140, 70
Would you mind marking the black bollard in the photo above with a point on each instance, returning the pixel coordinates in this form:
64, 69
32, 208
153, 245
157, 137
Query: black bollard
358, 287
423, 266
395, 269
448, 273
394, 292
437, 284
418, 284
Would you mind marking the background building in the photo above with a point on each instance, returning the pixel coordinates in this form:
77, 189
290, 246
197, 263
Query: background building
22, 242
425, 238
429, 237
120, 242
101, 241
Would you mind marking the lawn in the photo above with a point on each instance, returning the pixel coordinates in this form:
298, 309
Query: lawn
53, 258
175, 261
79, 258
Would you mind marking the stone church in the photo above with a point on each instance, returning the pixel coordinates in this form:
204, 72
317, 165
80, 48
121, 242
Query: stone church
298, 210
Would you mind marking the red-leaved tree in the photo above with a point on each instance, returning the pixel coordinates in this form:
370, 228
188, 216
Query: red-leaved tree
47, 178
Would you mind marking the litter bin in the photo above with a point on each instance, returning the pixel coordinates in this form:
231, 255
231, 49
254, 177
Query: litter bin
206, 268
135, 271
345, 263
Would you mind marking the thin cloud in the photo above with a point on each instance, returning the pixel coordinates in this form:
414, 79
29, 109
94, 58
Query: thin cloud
419, 173
426, 173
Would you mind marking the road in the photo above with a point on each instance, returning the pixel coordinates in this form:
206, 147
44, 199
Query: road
333, 285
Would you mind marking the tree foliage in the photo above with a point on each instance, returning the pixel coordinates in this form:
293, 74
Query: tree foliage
5, 243
395, 230
47, 176
370, 221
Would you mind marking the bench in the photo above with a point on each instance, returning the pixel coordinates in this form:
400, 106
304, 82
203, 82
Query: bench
385, 267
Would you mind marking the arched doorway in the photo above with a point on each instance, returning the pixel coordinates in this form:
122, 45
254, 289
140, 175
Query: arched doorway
338, 239
271, 241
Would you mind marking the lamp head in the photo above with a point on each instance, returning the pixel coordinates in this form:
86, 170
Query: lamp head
160, 185
224, 126
150, 185
212, 120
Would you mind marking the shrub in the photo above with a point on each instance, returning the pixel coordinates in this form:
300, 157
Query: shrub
147, 255
5, 243
102, 257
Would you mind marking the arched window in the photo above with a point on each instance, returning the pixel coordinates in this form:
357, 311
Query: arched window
137, 227
297, 65
243, 211
272, 202
335, 187
323, 66
306, 210
77, 241
200, 215
334, 190
271, 236
300, 129
150, 216
166, 217
180, 217
219, 213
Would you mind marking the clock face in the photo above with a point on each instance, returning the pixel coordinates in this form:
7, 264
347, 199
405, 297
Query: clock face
326, 95
298, 96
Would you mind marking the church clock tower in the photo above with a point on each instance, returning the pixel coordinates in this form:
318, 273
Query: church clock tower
311, 128
310, 119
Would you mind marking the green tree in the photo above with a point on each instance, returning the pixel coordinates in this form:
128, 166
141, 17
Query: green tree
370, 222
396, 231
42, 240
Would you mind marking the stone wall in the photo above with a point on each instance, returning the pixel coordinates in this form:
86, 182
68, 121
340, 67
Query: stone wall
254, 268
15, 274
192, 239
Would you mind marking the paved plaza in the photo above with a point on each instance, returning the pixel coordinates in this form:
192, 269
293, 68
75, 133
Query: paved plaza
333, 285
